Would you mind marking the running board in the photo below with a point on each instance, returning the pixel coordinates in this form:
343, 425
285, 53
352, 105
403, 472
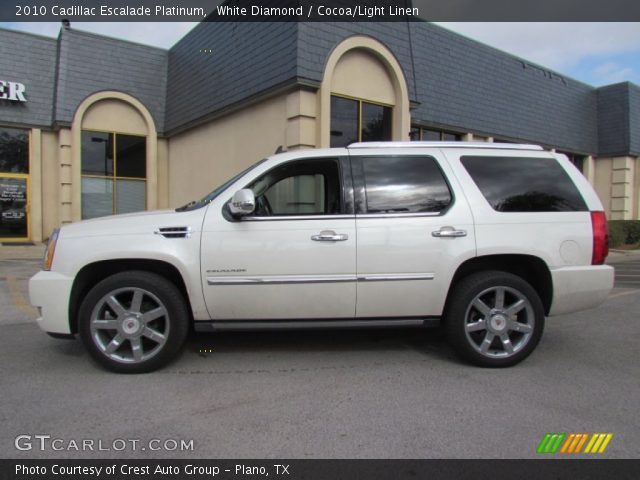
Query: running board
255, 325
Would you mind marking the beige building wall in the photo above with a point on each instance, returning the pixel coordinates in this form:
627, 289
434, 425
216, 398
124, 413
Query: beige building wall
635, 204
602, 182
109, 111
360, 75
363, 68
617, 183
205, 156
50, 184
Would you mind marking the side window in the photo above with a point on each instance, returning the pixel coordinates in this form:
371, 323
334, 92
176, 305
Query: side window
304, 187
515, 184
408, 184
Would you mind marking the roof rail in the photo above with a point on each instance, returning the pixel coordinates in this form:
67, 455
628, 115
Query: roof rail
501, 146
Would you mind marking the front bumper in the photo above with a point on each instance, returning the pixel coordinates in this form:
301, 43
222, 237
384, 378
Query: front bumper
50, 293
580, 288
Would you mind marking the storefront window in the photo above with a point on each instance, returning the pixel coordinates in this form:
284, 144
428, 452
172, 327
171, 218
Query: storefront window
113, 173
576, 159
14, 150
14, 180
434, 135
354, 120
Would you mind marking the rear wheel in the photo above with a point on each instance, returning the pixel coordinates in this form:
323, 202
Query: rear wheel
133, 322
494, 319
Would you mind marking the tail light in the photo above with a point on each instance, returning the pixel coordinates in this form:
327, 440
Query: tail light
600, 238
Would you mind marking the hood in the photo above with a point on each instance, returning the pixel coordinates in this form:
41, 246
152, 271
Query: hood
135, 223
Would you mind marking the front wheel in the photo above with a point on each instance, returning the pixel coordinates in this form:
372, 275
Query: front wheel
133, 322
494, 319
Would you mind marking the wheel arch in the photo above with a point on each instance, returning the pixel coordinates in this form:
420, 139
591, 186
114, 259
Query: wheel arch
92, 273
530, 268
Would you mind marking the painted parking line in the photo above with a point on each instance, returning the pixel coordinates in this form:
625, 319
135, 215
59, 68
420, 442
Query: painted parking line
18, 299
624, 294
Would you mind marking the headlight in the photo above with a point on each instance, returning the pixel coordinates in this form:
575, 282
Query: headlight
50, 250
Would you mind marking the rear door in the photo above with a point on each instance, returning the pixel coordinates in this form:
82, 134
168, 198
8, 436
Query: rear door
414, 227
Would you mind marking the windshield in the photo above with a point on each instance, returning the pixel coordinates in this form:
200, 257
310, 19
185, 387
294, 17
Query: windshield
214, 194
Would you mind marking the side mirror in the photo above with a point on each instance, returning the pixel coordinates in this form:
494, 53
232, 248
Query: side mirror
242, 203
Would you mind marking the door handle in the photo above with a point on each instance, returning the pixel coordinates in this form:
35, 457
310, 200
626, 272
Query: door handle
329, 236
449, 232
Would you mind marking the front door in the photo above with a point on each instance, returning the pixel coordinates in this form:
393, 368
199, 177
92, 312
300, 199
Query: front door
294, 258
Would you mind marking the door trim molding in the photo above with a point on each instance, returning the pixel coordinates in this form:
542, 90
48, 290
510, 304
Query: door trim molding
306, 279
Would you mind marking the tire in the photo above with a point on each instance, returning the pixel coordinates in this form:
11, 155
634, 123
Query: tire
490, 332
133, 322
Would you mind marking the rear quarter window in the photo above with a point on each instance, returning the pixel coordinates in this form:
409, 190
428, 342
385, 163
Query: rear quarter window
517, 184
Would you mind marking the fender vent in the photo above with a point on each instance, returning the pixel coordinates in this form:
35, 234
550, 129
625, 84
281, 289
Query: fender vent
174, 232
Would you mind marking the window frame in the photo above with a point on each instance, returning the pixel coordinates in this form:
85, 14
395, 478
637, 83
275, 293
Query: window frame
114, 177
360, 101
346, 190
360, 195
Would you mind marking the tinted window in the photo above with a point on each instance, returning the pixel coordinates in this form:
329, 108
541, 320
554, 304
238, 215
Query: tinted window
131, 153
14, 150
513, 184
344, 121
97, 153
376, 122
404, 185
309, 187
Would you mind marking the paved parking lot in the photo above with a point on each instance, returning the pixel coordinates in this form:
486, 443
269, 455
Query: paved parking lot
628, 274
362, 394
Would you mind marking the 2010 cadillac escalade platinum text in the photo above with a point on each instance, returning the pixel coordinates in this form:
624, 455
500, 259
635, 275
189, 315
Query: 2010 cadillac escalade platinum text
490, 239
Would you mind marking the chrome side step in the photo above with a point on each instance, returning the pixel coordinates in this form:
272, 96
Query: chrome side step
256, 325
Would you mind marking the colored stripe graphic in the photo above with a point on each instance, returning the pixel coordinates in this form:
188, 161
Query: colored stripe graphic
550, 442
598, 443
574, 443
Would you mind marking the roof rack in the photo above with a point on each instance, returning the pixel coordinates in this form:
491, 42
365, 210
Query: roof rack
501, 146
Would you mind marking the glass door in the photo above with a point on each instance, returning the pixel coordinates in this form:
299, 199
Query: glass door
14, 185
14, 207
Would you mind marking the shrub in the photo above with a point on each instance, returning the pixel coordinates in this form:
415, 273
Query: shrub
632, 229
616, 233
624, 232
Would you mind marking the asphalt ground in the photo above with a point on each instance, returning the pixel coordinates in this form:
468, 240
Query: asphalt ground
628, 274
345, 394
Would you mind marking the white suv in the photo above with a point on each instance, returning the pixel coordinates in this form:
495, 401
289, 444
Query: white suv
489, 238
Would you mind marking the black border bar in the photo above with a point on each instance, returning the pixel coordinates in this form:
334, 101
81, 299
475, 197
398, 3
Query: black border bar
320, 10
585, 469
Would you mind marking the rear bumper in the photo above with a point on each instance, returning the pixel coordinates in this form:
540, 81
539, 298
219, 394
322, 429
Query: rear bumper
50, 293
580, 288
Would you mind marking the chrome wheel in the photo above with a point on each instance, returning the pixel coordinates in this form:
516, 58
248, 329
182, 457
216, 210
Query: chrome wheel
499, 322
129, 325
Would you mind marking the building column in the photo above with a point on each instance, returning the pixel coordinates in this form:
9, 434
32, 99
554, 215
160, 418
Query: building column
589, 169
301, 120
622, 183
467, 137
35, 184
66, 176
163, 173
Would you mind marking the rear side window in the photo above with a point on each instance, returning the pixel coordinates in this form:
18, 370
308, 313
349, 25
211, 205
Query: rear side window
404, 185
515, 184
